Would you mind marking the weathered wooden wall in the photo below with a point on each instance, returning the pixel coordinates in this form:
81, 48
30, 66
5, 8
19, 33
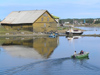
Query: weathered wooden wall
28, 27
45, 24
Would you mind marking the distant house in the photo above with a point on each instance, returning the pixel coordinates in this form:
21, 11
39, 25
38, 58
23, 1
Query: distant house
34, 20
57, 19
66, 23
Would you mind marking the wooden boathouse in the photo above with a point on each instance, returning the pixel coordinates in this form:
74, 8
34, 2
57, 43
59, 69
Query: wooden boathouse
34, 20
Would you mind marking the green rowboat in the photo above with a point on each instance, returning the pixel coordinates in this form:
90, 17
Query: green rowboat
79, 56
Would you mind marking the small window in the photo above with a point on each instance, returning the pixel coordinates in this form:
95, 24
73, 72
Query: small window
44, 25
47, 19
42, 19
45, 14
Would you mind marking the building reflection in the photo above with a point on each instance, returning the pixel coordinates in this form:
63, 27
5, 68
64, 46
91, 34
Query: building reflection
32, 48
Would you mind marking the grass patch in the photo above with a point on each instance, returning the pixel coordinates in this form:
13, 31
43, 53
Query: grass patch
62, 28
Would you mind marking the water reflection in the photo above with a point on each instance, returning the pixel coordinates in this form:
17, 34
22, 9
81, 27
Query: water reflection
38, 48
73, 38
60, 64
81, 61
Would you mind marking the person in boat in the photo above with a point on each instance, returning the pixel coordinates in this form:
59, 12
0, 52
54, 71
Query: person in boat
81, 52
53, 34
75, 53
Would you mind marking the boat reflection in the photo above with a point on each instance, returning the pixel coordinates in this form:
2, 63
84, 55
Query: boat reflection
81, 60
73, 37
37, 48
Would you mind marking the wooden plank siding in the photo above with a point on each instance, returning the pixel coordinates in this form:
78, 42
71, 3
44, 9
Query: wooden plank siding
28, 27
45, 24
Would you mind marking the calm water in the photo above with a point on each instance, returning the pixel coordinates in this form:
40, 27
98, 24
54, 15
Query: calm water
90, 30
49, 56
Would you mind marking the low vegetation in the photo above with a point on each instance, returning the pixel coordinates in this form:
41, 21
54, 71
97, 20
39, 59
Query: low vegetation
85, 21
89, 20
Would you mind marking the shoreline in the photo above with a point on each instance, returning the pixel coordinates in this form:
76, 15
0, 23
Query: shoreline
94, 25
61, 32
26, 35
46, 35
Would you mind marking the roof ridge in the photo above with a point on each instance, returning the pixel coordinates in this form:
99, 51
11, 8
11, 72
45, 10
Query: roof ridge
23, 16
29, 10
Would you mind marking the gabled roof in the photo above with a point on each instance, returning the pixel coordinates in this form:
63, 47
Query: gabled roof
19, 17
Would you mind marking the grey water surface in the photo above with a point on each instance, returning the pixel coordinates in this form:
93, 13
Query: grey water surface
49, 56
90, 30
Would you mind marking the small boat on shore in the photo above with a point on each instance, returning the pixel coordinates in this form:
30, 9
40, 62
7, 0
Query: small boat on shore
74, 32
52, 35
79, 56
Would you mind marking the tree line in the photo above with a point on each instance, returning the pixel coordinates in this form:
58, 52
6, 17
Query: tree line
88, 20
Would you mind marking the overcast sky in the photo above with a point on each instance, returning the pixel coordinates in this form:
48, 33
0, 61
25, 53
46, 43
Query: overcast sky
61, 8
